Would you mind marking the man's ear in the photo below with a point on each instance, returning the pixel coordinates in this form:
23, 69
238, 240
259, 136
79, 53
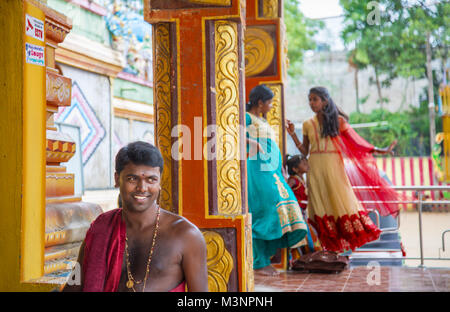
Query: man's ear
116, 179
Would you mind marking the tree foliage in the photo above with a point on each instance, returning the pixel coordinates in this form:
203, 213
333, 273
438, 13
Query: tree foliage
299, 32
409, 127
394, 43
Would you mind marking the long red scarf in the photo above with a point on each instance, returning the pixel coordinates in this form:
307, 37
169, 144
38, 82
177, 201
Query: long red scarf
362, 170
103, 252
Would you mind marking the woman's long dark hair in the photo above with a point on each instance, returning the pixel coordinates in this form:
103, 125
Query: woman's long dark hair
330, 112
260, 92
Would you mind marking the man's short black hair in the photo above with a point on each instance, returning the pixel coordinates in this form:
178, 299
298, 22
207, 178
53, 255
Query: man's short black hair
139, 153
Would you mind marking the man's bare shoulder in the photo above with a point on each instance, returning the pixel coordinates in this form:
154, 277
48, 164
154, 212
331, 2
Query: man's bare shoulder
181, 226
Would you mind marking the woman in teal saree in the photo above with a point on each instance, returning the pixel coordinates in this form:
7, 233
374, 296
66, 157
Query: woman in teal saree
277, 221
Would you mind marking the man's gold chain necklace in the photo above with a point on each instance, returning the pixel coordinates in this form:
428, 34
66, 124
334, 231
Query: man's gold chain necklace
131, 281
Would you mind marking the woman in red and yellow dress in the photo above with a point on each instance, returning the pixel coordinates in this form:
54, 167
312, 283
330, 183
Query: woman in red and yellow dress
334, 210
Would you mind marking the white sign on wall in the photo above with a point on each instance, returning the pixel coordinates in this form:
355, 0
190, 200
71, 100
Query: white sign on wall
34, 27
34, 54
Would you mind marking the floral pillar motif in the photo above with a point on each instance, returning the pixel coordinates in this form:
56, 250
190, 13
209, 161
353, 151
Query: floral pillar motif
219, 260
162, 83
275, 116
259, 51
199, 82
227, 114
270, 9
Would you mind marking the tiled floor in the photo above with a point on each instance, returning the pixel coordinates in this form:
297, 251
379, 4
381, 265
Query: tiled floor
359, 279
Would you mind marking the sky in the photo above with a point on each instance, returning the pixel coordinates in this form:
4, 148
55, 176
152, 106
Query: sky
324, 9
327, 8
320, 8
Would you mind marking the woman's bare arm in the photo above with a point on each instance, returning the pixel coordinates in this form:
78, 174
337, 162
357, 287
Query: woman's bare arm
302, 147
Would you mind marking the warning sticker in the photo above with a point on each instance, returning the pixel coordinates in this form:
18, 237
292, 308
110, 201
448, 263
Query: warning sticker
35, 54
34, 27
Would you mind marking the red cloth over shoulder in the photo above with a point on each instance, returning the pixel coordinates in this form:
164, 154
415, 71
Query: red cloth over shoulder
362, 170
103, 252
353, 138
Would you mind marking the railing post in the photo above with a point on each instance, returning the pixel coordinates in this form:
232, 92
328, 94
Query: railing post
443, 239
420, 229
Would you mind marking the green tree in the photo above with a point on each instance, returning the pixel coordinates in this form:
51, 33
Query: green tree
402, 42
299, 32
409, 127
375, 41
428, 27
395, 44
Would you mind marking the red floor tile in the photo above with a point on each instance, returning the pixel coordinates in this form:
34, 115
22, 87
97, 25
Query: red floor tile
359, 279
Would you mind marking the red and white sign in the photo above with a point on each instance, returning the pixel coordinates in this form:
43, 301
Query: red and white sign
34, 27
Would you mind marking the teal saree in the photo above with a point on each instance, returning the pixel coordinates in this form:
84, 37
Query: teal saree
277, 221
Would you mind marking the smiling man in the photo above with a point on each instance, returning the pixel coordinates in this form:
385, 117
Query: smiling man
141, 247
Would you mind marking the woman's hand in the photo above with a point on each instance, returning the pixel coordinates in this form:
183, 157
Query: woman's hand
391, 147
388, 150
290, 127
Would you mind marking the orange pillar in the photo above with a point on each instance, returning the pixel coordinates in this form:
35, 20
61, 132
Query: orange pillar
198, 83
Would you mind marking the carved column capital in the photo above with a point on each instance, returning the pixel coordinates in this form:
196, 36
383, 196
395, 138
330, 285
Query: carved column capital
57, 26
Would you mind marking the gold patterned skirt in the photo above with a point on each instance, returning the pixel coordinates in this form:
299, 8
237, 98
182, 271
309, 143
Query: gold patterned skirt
333, 209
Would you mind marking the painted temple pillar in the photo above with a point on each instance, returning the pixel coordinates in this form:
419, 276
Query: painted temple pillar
67, 218
32, 150
199, 83
266, 63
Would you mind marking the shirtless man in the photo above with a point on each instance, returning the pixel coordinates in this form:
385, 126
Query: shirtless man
145, 246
